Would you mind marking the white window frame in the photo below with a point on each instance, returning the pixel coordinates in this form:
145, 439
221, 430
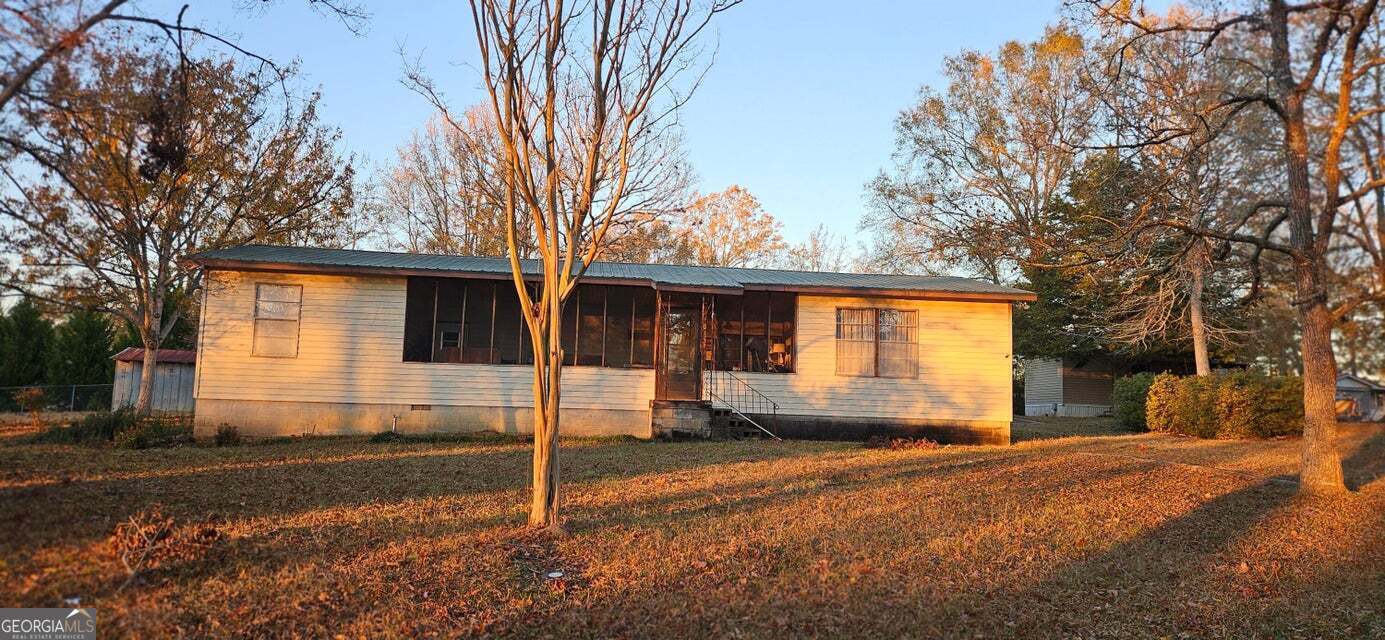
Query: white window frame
262, 315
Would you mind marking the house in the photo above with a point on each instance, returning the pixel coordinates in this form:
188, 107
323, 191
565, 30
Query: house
303, 340
173, 377
1359, 399
1054, 387
1084, 387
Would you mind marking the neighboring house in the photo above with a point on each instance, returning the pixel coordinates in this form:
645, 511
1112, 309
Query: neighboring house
299, 340
1360, 399
173, 379
1080, 388
1063, 388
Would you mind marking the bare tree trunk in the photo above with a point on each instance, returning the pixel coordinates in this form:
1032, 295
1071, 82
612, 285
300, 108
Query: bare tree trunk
150, 335
548, 370
144, 402
1321, 471
1197, 274
1321, 465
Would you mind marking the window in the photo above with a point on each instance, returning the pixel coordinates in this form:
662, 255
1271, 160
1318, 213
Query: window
755, 332
877, 343
480, 322
278, 308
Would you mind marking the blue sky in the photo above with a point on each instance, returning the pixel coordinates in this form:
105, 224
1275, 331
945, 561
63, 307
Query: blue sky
798, 107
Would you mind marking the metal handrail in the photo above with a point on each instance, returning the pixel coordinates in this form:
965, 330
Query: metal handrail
738, 396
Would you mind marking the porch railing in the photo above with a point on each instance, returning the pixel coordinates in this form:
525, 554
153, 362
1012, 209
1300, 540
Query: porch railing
728, 390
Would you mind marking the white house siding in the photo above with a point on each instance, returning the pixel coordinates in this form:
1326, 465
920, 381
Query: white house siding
349, 375
1043, 386
964, 374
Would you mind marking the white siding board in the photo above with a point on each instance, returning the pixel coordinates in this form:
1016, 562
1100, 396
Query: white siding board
964, 365
351, 340
1043, 381
351, 345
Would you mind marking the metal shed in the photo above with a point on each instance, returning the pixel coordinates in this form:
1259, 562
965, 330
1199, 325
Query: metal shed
173, 378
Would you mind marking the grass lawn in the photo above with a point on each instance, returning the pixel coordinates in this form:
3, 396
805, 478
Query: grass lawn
1090, 536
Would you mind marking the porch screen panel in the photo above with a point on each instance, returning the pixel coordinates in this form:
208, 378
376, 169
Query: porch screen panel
509, 325
642, 354
729, 338
568, 337
447, 321
898, 343
591, 326
856, 342
418, 320
620, 306
782, 309
478, 324
756, 326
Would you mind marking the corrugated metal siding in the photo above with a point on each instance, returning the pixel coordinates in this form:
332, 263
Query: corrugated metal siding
351, 350
173, 386
964, 365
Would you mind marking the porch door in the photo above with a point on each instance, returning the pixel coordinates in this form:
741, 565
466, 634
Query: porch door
680, 370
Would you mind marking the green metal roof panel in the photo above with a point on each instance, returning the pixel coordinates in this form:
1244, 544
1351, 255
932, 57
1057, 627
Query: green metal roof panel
658, 275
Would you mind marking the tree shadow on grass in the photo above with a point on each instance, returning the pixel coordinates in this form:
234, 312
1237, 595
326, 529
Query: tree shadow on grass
73, 512
1366, 464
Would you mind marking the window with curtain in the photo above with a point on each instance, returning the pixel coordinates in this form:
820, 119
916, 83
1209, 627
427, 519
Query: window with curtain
278, 308
877, 343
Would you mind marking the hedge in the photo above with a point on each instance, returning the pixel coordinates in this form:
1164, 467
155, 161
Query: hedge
1240, 404
1128, 399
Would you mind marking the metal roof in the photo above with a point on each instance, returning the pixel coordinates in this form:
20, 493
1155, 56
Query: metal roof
254, 257
162, 356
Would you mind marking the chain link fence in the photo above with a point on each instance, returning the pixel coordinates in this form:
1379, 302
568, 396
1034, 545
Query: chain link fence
56, 397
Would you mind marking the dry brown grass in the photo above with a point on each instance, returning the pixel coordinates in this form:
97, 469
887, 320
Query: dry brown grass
1117, 536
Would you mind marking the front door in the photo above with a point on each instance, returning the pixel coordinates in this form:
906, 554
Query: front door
680, 373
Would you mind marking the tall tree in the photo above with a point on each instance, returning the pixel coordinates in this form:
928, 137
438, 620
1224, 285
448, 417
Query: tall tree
978, 163
139, 158
823, 250
28, 336
1288, 51
577, 90
82, 348
445, 194
729, 228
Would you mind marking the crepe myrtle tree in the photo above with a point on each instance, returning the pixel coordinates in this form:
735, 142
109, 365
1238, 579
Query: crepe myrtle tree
138, 158
583, 95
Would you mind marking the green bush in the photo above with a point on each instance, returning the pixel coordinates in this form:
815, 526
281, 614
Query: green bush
121, 428
155, 432
1241, 404
1128, 399
226, 436
95, 428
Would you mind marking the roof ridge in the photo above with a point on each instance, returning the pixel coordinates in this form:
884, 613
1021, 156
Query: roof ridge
604, 262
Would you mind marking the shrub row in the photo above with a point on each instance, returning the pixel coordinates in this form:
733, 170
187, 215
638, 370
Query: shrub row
1241, 404
1128, 400
122, 429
